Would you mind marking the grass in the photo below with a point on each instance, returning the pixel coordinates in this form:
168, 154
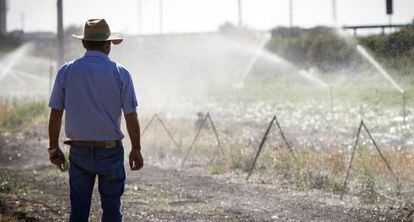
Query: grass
20, 113
317, 167
4, 107
321, 164
22, 197
150, 200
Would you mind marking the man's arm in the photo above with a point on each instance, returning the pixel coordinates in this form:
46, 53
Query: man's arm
135, 159
55, 123
56, 156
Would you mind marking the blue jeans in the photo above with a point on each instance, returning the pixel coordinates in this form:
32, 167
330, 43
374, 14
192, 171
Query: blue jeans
85, 164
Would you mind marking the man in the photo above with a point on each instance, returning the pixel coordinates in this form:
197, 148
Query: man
93, 90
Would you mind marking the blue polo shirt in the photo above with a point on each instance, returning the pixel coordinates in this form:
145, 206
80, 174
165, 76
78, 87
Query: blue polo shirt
93, 91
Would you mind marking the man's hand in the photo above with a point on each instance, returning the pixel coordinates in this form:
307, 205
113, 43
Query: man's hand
135, 159
56, 155
58, 158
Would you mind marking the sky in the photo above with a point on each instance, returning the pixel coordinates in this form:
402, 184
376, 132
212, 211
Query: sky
201, 15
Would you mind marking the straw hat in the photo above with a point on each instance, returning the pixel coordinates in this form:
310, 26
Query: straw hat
98, 30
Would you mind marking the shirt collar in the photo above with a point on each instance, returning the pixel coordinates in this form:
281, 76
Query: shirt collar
95, 53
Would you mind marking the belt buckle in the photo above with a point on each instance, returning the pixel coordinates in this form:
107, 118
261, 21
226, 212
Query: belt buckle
110, 144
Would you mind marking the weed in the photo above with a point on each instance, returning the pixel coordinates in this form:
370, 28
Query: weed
4, 105
22, 113
336, 185
239, 158
6, 187
366, 181
217, 168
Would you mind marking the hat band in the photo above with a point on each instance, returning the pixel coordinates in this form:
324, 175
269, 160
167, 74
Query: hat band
99, 35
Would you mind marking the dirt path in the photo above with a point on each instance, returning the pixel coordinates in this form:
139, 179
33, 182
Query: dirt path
157, 194
32, 190
251, 202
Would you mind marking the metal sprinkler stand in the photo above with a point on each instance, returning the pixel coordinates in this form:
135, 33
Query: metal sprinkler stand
274, 120
331, 99
219, 143
156, 116
260, 147
282, 134
404, 97
148, 124
362, 124
213, 126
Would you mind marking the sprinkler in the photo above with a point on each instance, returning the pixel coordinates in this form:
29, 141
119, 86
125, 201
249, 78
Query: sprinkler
257, 53
321, 83
331, 99
404, 97
364, 53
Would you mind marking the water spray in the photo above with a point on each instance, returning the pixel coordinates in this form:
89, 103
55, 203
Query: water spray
313, 79
364, 53
265, 53
321, 83
256, 55
13, 59
377, 66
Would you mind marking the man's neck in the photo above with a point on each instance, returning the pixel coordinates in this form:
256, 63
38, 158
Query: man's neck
98, 50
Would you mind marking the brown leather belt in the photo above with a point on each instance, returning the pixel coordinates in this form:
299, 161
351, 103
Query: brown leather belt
105, 144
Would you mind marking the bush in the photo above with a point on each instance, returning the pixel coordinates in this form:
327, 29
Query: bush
22, 113
396, 50
323, 48
10, 41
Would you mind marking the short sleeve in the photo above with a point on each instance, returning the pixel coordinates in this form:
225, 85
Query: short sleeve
57, 98
128, 98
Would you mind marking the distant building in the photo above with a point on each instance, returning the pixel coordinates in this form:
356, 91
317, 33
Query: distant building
3, 16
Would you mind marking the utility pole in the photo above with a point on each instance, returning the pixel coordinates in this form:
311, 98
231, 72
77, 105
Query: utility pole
139, 17
389, 10
239, 3
60, 42
334, 13
3, 16
51, 71
290, 13
161, 16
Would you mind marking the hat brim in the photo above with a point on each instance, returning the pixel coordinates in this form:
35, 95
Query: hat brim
115, 40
